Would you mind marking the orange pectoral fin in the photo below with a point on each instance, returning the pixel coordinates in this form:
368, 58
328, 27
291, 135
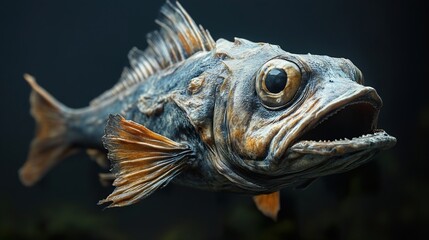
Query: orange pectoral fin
143, 161
268, 204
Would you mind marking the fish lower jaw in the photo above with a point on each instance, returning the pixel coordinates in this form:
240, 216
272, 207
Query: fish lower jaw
377, 140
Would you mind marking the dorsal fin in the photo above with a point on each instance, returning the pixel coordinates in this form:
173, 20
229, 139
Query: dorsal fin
177, 39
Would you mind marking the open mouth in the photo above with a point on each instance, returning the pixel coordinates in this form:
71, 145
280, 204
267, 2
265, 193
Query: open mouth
351, 121
350, 128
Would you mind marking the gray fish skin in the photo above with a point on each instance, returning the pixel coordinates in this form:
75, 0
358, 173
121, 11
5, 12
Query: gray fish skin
152, 104
149, 96
208, 98
329, 77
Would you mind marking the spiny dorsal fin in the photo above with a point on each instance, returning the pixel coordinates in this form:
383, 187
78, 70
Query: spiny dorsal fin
268, 204
143, 161
178, 38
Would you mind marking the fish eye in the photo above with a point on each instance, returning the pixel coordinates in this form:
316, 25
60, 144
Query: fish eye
277, 82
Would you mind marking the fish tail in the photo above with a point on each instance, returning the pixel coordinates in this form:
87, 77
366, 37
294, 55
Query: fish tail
50, 144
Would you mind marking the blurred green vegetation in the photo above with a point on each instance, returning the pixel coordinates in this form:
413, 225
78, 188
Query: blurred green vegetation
64, 221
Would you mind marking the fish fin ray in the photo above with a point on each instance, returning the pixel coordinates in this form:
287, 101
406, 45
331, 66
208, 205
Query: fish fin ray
268, 204
106, 179
50, 144
178, 38
127, 141
99, 156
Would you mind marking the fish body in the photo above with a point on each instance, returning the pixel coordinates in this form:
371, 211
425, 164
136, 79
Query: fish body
234, 116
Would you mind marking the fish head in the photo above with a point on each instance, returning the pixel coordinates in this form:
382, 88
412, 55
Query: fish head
283, 118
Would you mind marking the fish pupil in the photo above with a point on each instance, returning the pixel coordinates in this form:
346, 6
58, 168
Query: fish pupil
276, 80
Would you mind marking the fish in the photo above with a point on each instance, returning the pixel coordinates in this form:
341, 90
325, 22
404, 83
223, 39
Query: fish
236, 116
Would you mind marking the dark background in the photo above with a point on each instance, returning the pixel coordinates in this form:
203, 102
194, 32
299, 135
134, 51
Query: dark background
77, 49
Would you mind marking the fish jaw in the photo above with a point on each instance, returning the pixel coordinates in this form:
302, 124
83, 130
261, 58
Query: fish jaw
328, 157
377, 140
341, 136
